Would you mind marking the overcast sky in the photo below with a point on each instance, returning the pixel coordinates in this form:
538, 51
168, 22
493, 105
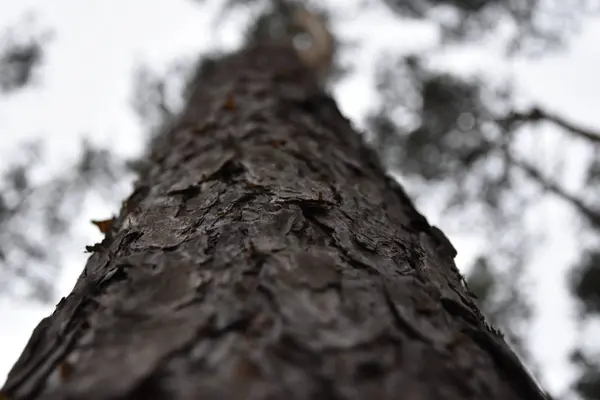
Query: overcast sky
85, 88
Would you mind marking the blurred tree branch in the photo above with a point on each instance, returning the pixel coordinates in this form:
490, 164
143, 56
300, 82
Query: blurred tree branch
537, 114
587, 211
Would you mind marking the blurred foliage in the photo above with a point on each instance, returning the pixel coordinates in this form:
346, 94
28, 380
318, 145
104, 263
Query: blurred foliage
588, 382
530, 26
35, 214
459, 132
158, 96
585, 282
21, 53
585, 286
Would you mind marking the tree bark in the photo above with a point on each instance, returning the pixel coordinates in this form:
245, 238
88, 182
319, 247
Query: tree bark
264, 254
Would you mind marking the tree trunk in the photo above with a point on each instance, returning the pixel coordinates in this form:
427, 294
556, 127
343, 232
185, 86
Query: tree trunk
264, 254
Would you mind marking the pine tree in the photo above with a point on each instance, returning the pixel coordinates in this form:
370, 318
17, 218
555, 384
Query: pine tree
264, 254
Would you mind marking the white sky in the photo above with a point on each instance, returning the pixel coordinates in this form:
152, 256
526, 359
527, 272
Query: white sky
85, 88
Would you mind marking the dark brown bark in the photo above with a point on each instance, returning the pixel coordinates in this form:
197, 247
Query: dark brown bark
265, 255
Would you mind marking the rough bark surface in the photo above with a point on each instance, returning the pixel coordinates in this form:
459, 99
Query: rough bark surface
265, 255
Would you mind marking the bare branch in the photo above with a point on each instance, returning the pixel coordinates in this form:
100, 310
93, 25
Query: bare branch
552, 187
536, 114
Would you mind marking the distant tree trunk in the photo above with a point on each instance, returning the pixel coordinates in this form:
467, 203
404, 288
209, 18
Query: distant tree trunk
264, 254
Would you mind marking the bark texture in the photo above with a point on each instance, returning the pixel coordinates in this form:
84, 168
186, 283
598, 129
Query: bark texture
265, 255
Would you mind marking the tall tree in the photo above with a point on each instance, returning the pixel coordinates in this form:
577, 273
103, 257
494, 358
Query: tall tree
264, 253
